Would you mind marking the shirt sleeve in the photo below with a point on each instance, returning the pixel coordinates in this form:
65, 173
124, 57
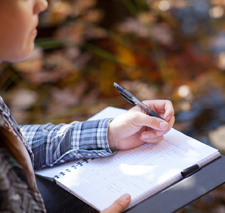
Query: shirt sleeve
55, 144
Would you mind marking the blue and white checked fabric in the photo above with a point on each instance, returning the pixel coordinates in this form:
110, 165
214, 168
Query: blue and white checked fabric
55, 144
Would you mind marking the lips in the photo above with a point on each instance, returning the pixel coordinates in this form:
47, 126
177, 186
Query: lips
34, 32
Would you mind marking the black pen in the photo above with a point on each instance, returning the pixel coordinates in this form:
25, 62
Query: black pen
134, 101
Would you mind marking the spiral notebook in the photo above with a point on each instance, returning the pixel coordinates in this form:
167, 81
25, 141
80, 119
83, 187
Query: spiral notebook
141, 172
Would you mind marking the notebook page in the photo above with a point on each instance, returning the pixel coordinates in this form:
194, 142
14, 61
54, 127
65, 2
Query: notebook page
141, 172
108, 112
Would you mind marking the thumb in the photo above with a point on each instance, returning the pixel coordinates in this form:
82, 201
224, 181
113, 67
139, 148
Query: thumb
119, 205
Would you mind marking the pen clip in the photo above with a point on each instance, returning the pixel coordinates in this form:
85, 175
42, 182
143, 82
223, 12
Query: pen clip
128, 99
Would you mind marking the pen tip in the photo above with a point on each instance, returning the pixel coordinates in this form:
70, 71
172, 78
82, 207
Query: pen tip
115, 84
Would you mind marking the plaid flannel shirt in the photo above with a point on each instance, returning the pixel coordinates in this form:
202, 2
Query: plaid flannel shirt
48, 145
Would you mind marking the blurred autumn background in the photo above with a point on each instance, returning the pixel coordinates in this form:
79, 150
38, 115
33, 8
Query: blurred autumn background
157, 49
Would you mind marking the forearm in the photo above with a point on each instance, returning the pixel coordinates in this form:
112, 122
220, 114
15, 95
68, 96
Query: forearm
54, 144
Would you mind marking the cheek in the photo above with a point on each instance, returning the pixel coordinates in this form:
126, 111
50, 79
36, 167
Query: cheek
16, 22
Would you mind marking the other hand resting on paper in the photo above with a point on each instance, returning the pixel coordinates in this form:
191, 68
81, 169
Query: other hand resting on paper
119, 205
134, 128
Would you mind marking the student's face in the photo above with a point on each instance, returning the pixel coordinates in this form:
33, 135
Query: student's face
18, 22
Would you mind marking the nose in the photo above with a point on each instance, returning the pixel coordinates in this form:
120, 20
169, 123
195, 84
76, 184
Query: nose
40, 6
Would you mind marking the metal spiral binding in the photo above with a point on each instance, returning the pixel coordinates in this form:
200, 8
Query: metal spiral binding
74, 166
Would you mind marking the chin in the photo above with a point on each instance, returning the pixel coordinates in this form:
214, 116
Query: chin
16, 60
22, 56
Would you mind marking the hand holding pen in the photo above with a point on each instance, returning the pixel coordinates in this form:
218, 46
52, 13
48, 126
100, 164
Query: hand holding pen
134, 128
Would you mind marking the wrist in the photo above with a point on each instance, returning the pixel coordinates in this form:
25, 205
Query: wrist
113, 144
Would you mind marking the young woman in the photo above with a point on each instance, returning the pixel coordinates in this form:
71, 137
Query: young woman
23, 147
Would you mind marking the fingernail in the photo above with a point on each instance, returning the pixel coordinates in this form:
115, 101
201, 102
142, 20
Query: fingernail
126, 196
163, 125
144, 136
160, 133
